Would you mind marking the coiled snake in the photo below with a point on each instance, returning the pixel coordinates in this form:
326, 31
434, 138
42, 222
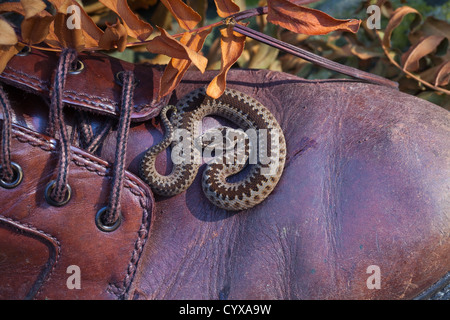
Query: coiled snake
248, 114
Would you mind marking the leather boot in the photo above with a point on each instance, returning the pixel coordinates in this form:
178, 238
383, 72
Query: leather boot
362, 210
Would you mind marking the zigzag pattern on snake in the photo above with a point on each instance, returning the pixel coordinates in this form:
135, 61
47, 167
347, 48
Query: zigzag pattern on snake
246, 113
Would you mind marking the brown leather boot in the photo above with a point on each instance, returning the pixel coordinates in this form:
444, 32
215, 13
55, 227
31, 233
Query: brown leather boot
362, 210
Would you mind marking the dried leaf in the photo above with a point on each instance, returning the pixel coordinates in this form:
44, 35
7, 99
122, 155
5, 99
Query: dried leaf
431, 26
199, 6
161, 17
187, 18
8, 36
115, 36
226, 8
136, 28
35, 29
305, 20
67, 37
6, 53
32, 7
410, 59
12, 7
443, 75
395, 20
232, 46
166, 44
176, 68
91, 33
262, 56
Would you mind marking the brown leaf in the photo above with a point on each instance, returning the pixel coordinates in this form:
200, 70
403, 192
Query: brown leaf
6, 53
91, 33
232, 46
161, 17
410, 59
199, 6
36, 28
115, 36
32, 7
226, 8
67, 37
261, 57
8, 36
12, 7
176, 68
443, 75
36, 24
395, 20
136, 28
187, 18
166, 44
305, 20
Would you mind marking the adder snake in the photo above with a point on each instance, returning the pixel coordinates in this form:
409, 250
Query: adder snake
245, 112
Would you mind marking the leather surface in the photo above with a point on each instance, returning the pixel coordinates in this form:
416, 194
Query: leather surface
364, 184
40, 242
34, 73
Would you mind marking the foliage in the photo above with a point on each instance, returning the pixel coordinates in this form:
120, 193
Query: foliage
411, 47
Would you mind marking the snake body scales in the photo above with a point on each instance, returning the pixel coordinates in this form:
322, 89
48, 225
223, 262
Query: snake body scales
243, 111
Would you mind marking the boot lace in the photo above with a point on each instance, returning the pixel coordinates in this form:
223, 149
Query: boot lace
58, 191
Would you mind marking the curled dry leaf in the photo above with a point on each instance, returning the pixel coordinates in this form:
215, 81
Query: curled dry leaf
199, 6
136, 28
8, 44
8, 36
32, 7
410, 59
91, 33
226, 8
395, 20
176, 68
6, 53
36, 29
115, 36
305, 20
443, 75
36, 25
12, 7
431, 26
67, 37
232, 45
169, 46
187, 18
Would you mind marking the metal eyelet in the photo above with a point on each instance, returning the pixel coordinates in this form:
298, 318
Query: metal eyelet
17, 177
24, 52
119, 79
76, 67
104, 227
50, 200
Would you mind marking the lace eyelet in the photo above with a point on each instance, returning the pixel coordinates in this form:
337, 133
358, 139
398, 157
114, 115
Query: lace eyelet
76, 67
104, 227
17, 177
24, 52
119, 79
50, 200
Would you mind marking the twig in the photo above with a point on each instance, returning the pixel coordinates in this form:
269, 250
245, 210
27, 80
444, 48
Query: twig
313, 58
